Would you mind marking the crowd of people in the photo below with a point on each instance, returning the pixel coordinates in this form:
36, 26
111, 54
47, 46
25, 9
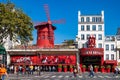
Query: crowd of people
4, 71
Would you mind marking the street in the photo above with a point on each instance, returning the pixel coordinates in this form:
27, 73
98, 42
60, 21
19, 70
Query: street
64, 76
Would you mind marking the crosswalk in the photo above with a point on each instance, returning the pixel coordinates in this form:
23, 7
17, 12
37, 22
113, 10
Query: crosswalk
66, 76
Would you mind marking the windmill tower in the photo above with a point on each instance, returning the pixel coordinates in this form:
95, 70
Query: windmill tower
45, 31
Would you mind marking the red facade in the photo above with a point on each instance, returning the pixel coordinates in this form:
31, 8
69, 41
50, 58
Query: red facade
45, 35
43, 60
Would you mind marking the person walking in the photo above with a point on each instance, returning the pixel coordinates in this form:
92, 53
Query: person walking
3, 72
91, 71
116, 70
75, 72
31, 69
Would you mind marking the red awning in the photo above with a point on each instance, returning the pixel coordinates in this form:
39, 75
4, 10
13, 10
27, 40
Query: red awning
110, 61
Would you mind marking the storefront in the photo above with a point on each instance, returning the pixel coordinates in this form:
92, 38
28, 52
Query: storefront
47, 58
92, 56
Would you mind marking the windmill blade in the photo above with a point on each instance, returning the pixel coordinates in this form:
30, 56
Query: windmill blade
58, 21
47, 11
39, 23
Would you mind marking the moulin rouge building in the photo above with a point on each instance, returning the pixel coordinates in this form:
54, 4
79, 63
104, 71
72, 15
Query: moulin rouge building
93, 46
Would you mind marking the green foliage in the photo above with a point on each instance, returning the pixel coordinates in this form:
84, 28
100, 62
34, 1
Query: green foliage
108, 66
14, 23
71, 66
60, 66
65, 66
102, 67
96, 66
68, 42
83, 66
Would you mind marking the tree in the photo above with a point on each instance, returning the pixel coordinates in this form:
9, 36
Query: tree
69, 42
14, 23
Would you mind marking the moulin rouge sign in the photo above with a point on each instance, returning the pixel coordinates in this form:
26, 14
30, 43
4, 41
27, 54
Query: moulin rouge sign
21, 59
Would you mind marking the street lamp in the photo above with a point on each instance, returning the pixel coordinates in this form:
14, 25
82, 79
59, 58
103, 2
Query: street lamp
25, 45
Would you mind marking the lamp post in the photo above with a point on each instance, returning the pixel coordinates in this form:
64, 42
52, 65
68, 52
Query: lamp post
25, 45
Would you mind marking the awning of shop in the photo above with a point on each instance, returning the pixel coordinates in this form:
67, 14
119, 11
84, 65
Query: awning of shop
110, 61
2, 50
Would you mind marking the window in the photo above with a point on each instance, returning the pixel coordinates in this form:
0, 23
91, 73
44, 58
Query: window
88, 35
82, 19
107, 56
95, 36
99, 36
88, 19
99, 27
94, 27
112, 56
98, 19
107, 47
82, 27
93, 19
88, 27
82, 37
99, 45
42, 37
83, 45
112, 47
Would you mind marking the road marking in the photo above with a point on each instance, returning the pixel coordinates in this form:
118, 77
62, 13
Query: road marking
107, 76
60, 76
66, 76
53, 76
80, 76
46, 76
101, 76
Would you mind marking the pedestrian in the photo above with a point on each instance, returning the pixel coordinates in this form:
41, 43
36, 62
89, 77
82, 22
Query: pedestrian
116, 70
39, 70
91, 71
75, 71
3, 72
79, 69
31, 69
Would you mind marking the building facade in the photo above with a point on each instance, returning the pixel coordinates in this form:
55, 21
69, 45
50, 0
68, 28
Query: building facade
93, 25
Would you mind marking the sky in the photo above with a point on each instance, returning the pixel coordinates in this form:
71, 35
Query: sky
68, 10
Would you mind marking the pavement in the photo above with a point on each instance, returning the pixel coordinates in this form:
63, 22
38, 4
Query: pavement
63, 76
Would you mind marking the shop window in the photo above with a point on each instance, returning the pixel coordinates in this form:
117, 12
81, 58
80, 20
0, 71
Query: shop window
112, 56
107, 56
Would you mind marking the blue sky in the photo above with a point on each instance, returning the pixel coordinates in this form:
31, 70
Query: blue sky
68, 10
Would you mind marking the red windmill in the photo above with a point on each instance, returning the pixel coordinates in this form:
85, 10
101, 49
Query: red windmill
45, 31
